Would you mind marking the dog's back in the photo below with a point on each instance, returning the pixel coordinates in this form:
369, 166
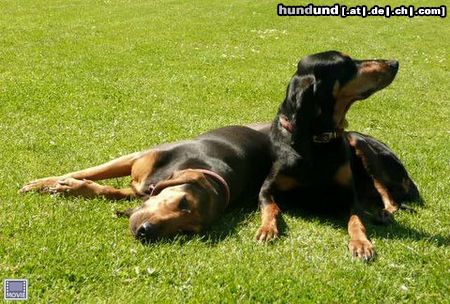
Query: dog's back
245, 151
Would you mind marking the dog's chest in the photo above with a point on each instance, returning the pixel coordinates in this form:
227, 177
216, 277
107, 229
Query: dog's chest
330, 166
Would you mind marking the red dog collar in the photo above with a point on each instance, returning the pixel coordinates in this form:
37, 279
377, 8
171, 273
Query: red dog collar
221, 181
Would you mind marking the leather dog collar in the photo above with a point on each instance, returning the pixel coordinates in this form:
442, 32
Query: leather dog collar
219, 179
210, 173
286, 124
322, 138
326, 137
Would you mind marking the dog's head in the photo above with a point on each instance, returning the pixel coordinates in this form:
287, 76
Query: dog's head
325, 86
185, 202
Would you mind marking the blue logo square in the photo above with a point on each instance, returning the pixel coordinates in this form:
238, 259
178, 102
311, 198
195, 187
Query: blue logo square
15, 289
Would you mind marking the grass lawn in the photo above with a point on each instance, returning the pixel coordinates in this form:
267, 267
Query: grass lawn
82, 82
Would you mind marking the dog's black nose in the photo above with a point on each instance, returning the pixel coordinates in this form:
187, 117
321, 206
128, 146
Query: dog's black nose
146, 232
393, 64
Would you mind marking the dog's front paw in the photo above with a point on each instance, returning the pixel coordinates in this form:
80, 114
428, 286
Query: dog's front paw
75, 187
362, 249
42, 184
267, 233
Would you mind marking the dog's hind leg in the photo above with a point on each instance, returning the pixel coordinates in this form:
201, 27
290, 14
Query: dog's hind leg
115, 168
381, 171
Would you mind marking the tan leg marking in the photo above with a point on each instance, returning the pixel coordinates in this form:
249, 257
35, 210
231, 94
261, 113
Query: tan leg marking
388, 201
390, 206
269, 226
385, 216
116, 168
89, 189
343, 175
359, 245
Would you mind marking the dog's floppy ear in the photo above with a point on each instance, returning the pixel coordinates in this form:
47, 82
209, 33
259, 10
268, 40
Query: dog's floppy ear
307, 85
301, 84
307, 81
171, 182
187, 176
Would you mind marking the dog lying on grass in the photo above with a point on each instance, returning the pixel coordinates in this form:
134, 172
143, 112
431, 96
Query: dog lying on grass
185, 185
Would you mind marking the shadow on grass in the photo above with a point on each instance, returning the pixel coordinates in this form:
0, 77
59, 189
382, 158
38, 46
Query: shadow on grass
229, 224
233, 219
394, 230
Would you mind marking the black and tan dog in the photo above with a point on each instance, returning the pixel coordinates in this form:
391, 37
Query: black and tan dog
321, 162
185, 185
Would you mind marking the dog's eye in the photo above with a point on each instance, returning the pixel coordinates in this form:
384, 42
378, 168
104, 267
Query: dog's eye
184, 205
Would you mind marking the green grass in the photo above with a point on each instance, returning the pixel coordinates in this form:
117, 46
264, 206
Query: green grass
82, 82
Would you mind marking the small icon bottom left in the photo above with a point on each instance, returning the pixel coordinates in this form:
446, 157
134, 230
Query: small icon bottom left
15, 289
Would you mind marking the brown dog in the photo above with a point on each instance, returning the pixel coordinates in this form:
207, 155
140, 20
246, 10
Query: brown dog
185, 185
